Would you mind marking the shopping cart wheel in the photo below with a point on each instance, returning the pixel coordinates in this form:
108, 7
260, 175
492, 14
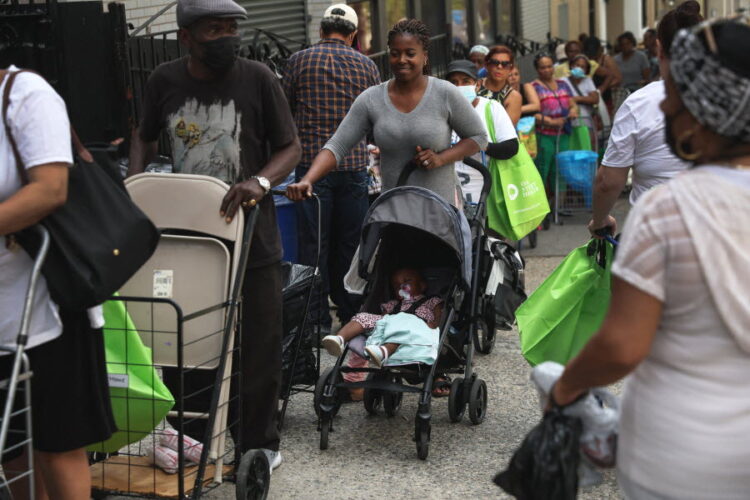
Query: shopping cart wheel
373, 398
253, 476
392, 400
484, 340
422, 430
456, 400
477, 401
320, 387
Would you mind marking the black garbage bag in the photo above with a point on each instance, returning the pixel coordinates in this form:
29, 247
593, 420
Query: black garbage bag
298, 282
509, 293
545, 466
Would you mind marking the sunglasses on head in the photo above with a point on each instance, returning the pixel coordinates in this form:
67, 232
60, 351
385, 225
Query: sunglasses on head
504, 64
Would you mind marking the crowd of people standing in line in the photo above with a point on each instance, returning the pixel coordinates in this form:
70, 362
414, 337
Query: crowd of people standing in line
319, 119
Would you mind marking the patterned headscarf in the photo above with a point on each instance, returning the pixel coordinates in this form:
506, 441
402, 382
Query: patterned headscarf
479, 49
715, 95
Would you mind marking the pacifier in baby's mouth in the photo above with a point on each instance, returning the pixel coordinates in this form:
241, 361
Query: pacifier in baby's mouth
405, 292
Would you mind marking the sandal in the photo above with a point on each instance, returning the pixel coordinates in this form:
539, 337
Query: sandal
441, 386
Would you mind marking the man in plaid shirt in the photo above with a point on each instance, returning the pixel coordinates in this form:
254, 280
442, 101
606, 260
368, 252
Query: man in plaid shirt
321, 84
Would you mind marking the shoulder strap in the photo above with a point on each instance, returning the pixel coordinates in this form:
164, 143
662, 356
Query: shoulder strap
575, 87
416, 305
489, 119
10, 78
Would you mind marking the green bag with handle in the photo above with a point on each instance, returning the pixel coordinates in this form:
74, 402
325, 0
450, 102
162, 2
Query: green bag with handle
139, 398
517, 202
560, 317
580, 139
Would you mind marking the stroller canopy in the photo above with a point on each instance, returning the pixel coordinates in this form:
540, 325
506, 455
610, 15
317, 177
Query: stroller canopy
419, 208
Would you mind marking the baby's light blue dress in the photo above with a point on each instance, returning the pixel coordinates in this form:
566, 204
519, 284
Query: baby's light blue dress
419, 342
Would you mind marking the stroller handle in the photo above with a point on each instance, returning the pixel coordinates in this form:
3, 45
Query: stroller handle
486, 177
476, 165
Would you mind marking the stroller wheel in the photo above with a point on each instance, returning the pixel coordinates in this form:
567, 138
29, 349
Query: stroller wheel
422, 430
484, 340
320, 388
253, 476
456, 400
392, 400
477, 401
373, 397
325, 428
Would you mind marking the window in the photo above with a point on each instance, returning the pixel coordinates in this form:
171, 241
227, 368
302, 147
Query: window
458, 20
484, 31
364, 30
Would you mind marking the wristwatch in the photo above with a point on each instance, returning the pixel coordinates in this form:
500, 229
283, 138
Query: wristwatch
264, 183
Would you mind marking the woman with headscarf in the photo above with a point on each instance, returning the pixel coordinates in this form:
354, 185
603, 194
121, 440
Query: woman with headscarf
637, 138
678, 320
585, 96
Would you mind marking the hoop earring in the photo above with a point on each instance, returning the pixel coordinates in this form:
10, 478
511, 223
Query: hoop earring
680, 146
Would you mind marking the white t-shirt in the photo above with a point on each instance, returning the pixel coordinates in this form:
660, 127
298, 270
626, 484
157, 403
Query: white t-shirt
470, 180
39, 124
685, 410
586, 86
637, 140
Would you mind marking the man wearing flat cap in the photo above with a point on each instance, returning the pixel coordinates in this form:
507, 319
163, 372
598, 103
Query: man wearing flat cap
321, 84
227, 117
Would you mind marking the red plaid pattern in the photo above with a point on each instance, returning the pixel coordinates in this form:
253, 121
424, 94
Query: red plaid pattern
321, 84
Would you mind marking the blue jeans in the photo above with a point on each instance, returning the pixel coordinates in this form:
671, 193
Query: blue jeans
344, 203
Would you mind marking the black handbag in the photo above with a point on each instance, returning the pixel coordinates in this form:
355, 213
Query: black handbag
99, 237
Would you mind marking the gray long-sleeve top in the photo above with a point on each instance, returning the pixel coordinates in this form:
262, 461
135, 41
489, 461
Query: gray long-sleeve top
442, 109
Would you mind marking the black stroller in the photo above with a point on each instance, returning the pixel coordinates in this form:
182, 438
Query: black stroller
414, 227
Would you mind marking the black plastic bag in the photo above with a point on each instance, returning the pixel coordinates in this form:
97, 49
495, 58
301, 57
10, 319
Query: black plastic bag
545, 466
510, 292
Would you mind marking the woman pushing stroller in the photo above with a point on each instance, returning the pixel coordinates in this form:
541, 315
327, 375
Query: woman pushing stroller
406, 331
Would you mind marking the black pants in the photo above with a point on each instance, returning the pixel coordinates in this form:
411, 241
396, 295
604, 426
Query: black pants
344, 203
260, 361
259, 367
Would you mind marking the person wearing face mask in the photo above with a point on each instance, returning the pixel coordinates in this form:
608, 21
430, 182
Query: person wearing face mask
637, 138
586, 98
463, 75
228, 118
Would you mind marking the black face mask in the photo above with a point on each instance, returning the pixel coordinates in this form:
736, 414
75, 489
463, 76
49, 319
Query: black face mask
219, 55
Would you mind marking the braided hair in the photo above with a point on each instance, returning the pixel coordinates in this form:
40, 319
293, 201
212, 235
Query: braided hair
415, 28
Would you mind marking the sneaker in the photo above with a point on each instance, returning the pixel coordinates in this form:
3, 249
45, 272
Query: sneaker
274, 458
333, 344
377, 355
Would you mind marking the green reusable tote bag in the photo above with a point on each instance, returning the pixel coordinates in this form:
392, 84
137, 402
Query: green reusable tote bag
517, 202
140, 400
560, 317
580, 139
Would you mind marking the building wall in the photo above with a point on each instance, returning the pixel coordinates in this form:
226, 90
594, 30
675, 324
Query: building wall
535, 19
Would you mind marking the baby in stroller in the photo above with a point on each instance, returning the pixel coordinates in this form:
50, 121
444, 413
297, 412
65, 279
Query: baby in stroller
396, 334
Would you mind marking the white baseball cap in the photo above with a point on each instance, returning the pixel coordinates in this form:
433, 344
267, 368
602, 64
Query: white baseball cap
342, 11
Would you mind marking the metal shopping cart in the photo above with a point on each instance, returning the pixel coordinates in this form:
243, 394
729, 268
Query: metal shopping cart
184, 305
575, 171
15, 427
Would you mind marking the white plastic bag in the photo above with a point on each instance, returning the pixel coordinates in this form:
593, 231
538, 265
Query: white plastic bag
599, 412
